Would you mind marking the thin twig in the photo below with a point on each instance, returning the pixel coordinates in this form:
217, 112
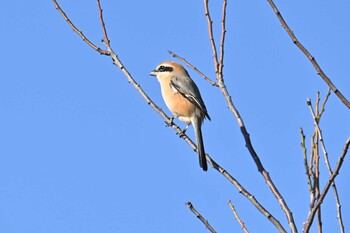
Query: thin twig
211, 37
307, 168
319, 220
316, 139
248, 195
106, 39
311, 216
323, 108
222, 42
200, 217
316, 117
76, 30
193, 68
237, 217
339, 212
308, 55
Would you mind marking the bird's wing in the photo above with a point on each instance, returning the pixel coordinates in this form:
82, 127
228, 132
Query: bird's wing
188, 89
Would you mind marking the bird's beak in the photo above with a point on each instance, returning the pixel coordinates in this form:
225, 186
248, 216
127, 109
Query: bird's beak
153, 73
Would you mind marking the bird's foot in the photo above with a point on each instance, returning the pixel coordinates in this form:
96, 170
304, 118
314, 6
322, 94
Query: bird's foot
170, 122
182, 133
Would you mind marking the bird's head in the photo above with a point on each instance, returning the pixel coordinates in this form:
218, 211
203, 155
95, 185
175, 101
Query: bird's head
168, 68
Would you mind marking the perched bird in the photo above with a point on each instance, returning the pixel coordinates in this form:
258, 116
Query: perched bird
182, 97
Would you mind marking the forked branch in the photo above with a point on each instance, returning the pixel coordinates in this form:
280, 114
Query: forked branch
316, 115
311, 216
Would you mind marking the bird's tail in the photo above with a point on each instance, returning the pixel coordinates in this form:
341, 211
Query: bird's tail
200, 146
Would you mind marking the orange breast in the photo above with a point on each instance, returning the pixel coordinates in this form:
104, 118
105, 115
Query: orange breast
176, 103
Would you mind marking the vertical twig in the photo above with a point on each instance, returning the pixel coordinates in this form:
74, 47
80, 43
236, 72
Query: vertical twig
222, 42
211, 37
307, 168
106, 39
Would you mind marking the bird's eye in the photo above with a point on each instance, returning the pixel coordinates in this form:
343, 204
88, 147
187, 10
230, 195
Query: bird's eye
165, 68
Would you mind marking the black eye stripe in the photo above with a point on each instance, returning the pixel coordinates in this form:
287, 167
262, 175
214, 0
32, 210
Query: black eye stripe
165, 69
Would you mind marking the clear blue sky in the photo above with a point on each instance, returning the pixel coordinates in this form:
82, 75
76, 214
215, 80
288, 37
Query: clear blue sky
81, 151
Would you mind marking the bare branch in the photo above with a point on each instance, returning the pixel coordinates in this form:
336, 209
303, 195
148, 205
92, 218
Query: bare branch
76, 30
222, 42
193, 68
323, 108
211, 37
308, 55
307, 168
106, 40
248, 195
317, 117
237, 217
200, 217
311, 216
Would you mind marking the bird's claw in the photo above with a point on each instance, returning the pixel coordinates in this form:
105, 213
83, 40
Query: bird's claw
170, 122
182, 133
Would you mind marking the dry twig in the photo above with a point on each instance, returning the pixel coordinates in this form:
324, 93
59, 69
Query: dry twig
316, 118
311, 216
308, 55
200, 217
80, 33
193, 68
237, 217
308, 172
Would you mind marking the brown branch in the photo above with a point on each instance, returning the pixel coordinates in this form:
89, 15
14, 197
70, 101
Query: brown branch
193, 68
222, 42
222, 86
200, 217
311, 216
106, 39
237, 217
316, 138
306, 165
76, 30
316, 118
211, 37
308, 55
248, 195
323, 108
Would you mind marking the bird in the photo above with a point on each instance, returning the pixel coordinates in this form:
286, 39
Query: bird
181, 95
